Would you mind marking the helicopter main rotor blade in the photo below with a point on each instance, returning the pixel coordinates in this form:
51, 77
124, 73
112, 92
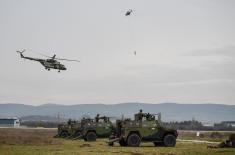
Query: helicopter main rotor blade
67, 59
44, 55
54, 57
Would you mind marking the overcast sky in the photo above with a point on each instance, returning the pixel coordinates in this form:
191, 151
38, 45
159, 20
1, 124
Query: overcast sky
185, 51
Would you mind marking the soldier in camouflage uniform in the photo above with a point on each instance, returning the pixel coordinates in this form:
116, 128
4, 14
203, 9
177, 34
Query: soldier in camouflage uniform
140, 115
97, 118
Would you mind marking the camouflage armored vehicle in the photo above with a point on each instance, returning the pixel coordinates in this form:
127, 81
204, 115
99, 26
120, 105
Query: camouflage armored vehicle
228, 143
67, 129
88, 129
145, 128
93, 128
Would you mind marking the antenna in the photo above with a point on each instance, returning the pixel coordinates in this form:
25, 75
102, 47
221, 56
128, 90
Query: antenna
159, 117
58, 117
122, 117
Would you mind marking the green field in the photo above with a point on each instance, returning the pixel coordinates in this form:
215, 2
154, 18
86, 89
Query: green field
40, 142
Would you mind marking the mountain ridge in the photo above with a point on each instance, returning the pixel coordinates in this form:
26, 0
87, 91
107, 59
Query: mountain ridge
170, 111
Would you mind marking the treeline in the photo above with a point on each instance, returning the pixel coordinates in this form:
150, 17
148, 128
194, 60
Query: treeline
183, 125
196, 125
35, 124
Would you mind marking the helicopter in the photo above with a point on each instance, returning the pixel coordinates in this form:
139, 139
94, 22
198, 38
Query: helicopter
128, 13
50, 63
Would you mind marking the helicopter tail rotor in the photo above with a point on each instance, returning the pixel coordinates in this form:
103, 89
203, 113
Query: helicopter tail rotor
21, 53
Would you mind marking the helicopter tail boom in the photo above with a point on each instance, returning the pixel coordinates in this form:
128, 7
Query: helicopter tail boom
21, 53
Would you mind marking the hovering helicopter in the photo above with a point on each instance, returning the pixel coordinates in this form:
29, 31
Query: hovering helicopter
50, 63
128, 13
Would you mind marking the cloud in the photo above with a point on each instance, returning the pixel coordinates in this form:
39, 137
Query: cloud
228, 52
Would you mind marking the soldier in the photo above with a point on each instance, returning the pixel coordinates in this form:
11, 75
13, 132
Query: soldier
69, 121
141, 115
105, 119
148, 116
97, 118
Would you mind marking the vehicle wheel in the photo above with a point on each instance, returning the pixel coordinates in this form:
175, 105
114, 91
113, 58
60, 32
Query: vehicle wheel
169, 140
122, 142
91, 136
158, 143
133, 140
64, 134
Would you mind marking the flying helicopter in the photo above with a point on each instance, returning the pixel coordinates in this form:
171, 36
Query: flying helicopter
50, 63
128, 13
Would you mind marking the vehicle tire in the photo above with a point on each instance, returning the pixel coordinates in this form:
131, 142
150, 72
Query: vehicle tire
133, 140
169, 140
122, 142
158, 143
64, 134
91, 136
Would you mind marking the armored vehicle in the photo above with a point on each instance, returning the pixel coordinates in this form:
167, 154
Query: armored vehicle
87, 129
145, 128
98, 127
67, 129
228, 143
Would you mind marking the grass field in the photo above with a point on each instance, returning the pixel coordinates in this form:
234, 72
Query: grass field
40, 142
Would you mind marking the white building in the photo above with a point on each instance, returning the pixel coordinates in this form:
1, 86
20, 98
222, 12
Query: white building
9, 122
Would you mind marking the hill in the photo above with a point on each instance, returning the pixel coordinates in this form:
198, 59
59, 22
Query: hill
170, 111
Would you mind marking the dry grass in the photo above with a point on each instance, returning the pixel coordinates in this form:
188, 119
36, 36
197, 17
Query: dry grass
40, 142
209, 136
13, 136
